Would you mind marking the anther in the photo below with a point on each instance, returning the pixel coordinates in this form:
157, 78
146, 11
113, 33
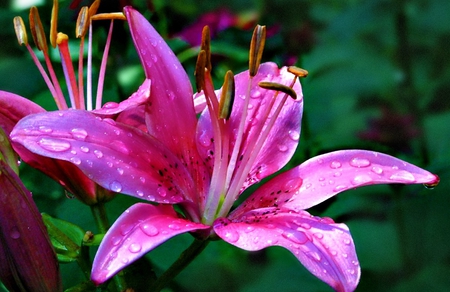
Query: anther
227, 96
54, 24
299, 72
206, 46
37, 31
82, 22
256, 49
199, 72
93, 8
278, 87
21, 32
109, 16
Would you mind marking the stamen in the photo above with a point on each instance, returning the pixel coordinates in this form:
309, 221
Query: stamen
69, 72
206, 46
101, 77
299, 72
37, 31
109, 16
199, 72
227, 96
82, 22
21, 32
256, 49
93, 8
278, 87
54, 24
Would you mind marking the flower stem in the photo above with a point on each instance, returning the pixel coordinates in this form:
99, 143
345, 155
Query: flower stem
180, 264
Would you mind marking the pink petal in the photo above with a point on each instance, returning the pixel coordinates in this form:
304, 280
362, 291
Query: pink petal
326, 175
283, 138
138, 98
137, 231
325, 248
170, 113
134, 117
14, 107
118, 157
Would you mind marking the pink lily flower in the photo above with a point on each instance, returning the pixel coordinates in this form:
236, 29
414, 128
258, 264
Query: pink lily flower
203, 165
14, 107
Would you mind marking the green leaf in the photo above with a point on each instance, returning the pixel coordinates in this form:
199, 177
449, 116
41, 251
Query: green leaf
66, 238
7, 154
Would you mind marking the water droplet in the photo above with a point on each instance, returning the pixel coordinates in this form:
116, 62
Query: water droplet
337, 174
115, 186
149, 229
305, 226
403, 176
120, 170
154, 58
359, 162
162, 191
204, 139
109, 163
126, 228
255, 93
45, 129
377, 170
110, 105
84, 149
140, 193
347, 241
339, 188
318, 235
361, 179
293, 184
294, 135
115, 240
314, 255
335, 164
282, 147
135, 247
98, 153
296, 237
231, 236
79, 134
14, 233
54, 145
249, 229
142, 179
174, 226
75, 160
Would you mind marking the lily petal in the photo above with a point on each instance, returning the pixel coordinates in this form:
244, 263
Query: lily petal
325, 248
324, 176
13, 108
137, 98
137, 231
170, 110
116, 156
283, 138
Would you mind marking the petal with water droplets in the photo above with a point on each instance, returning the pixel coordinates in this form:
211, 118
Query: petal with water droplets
325, 248
137, 98
324, 176
137, 231
116, 156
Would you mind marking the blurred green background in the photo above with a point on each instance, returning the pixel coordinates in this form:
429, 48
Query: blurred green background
379, 79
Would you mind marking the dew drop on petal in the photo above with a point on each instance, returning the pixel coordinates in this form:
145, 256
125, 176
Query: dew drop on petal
110, 105
126, 228
45, 129
79, 134
161, 191
204, 139
120, 170
149, 229
84, 149
115, 186
174, 226
282, 147
403, 176
115, 240
314, 255
294, 135
98, 153
361, 179
140, 193
135, 247
339, 188
75, 160
14, 233
54, 145
359, 162
249, 229
231, 236
377, 170
296, 237
335, 164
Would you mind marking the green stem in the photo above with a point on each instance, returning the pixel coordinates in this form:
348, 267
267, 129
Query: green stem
180, 264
